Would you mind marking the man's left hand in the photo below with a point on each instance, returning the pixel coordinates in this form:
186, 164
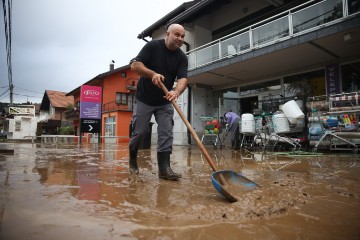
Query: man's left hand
172, 95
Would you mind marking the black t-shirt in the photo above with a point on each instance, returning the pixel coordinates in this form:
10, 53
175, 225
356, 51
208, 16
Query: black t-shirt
157, 57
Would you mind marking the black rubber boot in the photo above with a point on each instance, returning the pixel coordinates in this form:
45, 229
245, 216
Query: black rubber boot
237, 144
233, 144
133, 167
165, 170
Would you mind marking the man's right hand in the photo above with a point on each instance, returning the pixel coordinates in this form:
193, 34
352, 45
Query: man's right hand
156, 78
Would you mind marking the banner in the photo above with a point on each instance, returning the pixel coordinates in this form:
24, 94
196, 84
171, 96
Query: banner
332, 75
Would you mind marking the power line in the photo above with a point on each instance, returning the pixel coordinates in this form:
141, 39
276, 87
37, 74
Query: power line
5, 92
4, 96
26, 90
26, 95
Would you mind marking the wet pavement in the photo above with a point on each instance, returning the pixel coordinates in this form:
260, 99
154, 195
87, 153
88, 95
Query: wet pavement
71, 192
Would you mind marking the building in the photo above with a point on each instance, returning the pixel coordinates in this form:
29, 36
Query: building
118, 90
53, 106
253, 56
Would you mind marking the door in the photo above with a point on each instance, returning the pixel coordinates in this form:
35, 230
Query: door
110, 130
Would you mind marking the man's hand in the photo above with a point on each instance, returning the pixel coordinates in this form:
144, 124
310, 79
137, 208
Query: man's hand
172, 95
156, 78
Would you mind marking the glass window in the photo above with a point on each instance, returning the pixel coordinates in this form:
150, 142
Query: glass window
271, 31
350, 75
354, 6
260, 87
110, 126
305, 84
317, 15
123, 98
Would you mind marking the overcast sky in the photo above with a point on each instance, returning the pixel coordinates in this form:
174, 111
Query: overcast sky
61, 44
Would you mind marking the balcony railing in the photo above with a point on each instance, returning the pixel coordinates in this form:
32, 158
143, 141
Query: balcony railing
118, 106
299, 20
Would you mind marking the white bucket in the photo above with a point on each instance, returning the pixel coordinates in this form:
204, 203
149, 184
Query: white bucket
247, 123
292, 111
281, 123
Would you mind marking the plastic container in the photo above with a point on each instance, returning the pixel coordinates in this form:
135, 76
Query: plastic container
332, 122
292, 111
247, 123
281, 123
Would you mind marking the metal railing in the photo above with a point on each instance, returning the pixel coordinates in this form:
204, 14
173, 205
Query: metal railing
299, 20
118, 105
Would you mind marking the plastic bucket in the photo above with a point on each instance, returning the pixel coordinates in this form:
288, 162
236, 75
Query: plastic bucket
292, 111
281, 123
247, 123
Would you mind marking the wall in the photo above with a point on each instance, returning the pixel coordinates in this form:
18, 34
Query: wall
202, 106
21, 126
234, 11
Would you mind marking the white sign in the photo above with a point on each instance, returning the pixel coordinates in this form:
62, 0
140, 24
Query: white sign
22, 111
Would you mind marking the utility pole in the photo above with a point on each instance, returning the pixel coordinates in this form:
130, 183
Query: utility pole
7, 21
11, 94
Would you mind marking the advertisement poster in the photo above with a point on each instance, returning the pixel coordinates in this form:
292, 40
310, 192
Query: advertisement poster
90, 102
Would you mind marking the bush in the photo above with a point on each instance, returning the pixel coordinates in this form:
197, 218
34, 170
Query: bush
68, 130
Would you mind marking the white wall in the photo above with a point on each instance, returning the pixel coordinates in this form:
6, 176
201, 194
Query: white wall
202, 106
21, 127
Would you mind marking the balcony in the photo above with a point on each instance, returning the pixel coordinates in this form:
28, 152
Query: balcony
305, 18
117, 106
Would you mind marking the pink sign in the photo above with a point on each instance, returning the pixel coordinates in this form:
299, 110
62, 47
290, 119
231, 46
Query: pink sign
90, 93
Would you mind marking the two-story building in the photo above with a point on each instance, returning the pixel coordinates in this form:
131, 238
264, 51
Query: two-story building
253, 56
118, 90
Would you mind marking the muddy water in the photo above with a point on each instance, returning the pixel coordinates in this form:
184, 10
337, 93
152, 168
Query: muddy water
68, 192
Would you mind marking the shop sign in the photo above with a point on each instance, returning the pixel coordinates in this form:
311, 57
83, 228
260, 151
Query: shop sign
332, 74
90, 102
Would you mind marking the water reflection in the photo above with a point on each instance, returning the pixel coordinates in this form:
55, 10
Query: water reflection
93, 182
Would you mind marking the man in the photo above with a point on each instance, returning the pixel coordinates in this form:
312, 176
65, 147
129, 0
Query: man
158, 61
233, 128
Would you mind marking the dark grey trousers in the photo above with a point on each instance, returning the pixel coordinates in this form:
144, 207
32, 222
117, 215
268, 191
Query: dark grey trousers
142, 114
234, 130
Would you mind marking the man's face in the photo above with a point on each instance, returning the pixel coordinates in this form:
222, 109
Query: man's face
176, 38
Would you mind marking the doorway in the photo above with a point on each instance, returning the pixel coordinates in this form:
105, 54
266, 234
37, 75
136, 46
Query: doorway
248, 104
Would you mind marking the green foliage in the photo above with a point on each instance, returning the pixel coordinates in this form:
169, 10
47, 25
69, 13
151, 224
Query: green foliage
68, 130
69, 107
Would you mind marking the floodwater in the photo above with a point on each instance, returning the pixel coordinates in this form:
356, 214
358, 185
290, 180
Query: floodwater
71, 192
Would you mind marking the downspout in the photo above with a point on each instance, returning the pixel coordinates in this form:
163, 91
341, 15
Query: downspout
189, 113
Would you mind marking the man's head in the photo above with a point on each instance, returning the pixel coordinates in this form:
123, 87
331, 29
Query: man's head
175, 36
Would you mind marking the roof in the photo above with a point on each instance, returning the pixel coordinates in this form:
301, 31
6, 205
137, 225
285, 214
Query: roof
94, 80
166, 20
56, 99
186, 13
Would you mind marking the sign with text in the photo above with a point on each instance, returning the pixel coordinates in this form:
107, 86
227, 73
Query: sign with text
90, 125
22, 111
332, 74
90, 94
90, 102
90, 110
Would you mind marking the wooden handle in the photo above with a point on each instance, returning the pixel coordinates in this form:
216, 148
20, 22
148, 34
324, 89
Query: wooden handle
193, 133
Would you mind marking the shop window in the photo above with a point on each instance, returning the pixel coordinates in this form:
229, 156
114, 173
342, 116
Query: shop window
305, 84
260, 87
350, 75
